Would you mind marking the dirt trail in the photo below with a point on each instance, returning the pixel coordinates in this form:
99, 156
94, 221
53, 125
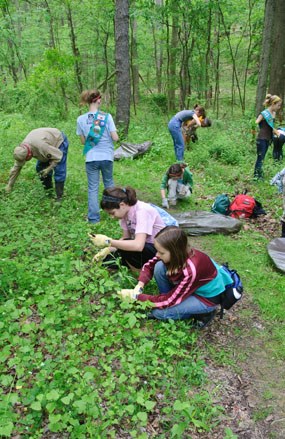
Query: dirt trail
252, 390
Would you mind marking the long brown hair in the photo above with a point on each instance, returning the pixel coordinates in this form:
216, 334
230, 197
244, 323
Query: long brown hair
174, 240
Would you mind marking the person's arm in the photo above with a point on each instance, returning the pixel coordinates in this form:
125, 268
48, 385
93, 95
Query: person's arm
188, 177
114, 136
259, 119
82, 139
197, 120
132, 245
53, 156
163, 187
14, 173
180, 291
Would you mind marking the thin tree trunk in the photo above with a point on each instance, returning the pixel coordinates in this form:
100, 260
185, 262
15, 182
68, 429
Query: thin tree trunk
134, 63
75, 49
277, 70
251, 5
208, 96
105, 50
217, 73
51, 31
172, 64
122, 65
232, 57
265, 56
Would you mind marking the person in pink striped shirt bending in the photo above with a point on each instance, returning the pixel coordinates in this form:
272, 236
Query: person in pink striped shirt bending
188, 280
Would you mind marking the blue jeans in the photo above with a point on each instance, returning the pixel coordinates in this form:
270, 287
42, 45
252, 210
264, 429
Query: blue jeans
60, 169
174, 127
185, 309
93, 176
262, 146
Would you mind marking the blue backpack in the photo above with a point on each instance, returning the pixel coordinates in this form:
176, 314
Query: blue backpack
233, 292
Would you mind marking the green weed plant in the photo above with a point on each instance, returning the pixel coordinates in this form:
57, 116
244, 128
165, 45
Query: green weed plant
76, 361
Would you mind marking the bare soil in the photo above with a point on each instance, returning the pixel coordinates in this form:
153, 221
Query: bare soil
252, 389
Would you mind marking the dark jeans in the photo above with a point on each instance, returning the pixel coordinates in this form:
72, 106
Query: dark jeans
278, 143
262, 146
135, 259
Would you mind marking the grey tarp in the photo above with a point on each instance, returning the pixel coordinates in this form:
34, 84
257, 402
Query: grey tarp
202, 223
131, 150
276, 250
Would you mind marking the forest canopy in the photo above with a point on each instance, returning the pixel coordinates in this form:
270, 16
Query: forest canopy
178, 52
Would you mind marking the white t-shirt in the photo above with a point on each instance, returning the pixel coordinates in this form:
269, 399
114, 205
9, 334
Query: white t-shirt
104, 150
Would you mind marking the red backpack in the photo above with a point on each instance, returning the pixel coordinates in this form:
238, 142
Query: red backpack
242, 206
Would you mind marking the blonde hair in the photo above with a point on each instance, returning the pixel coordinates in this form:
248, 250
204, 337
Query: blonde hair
271, 99
89, 97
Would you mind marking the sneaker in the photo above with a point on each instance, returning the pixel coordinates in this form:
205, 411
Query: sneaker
203, 320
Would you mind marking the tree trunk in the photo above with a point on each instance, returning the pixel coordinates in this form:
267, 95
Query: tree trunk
277, 68
172, 64
134, 63
217, 65
235, 74
208, 87
122, 65
51, 31
265, 56
75, 49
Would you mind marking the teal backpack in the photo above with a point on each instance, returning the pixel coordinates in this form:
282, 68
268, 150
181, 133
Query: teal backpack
221, 204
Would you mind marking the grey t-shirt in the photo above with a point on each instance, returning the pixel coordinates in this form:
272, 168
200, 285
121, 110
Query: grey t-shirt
185, 115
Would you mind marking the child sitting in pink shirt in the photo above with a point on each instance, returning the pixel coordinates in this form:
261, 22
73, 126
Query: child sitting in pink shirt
140, 222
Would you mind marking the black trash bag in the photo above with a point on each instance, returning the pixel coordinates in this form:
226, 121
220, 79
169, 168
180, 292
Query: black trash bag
276, 251
131, 150
203, 223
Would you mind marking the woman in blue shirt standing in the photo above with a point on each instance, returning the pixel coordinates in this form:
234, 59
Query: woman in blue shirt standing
175, 125
97, 132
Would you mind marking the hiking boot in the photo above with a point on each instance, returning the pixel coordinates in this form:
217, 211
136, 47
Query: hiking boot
47, 182
59, 188
203, 320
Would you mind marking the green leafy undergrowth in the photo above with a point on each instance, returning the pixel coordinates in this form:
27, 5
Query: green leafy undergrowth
76, 361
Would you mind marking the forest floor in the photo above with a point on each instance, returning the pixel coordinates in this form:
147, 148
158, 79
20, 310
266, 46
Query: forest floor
250, 386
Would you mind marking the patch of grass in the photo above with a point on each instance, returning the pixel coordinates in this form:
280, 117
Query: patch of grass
75, 360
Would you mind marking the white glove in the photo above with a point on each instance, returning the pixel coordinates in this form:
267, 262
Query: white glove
127, 294
101, 254
100, 240
165, 203
138, 289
